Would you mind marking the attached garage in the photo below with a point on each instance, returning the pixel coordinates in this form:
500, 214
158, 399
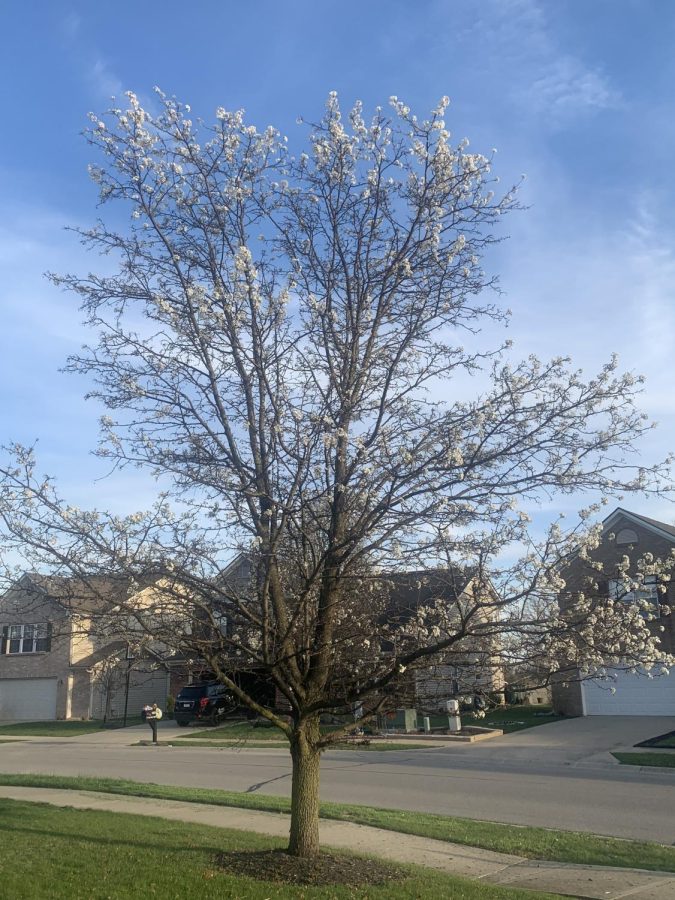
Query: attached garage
145, 687
28, 699
634, 695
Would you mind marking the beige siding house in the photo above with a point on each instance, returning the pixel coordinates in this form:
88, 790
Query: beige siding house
56, 662
474, 666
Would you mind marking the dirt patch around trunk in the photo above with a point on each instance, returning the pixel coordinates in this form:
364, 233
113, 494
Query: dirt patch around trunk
325, 869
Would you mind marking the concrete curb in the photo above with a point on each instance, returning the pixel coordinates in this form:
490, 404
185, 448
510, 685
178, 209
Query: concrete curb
592, 882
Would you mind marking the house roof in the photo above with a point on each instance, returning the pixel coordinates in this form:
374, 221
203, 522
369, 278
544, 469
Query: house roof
84, 596
667, 531
412, 590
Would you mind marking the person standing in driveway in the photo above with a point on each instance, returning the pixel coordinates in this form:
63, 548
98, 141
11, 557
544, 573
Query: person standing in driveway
152, 715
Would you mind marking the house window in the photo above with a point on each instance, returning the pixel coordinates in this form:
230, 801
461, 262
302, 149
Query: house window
626, 536
26, 638
648, 592
220, 620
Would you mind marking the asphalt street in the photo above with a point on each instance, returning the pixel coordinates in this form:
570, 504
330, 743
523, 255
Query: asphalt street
524, 788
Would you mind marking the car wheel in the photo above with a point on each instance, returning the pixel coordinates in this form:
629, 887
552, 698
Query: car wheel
181, 723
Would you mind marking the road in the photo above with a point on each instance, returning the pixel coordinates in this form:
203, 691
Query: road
603, 799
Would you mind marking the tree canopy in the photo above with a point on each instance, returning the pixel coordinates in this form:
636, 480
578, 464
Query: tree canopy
285, 339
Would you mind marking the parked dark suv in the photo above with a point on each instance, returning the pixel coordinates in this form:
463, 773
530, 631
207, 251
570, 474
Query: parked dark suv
208, 702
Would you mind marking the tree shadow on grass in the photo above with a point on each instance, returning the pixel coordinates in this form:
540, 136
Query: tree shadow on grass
231, 851
19, 818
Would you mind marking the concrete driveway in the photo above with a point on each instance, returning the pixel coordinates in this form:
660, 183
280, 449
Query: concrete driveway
167, 730
582, 741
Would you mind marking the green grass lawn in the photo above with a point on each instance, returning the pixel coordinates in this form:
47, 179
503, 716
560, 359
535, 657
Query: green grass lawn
533, 843
262, 736
514, 718
661, 742
651, 758
508, 718
213, 745
77, 854
238, 731
71, 728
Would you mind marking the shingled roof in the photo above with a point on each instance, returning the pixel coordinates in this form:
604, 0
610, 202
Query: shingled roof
414, 590
667, 530
82, 596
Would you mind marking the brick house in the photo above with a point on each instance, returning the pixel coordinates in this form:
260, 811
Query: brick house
58, 661
624, 533
473, 667
60, 658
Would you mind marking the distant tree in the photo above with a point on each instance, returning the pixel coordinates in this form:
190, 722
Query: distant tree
280, 344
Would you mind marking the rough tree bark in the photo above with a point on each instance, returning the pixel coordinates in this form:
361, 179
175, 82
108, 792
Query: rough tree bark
306, 756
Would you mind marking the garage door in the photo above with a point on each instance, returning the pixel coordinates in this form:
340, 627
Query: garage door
636, 695
31, 699
144, 688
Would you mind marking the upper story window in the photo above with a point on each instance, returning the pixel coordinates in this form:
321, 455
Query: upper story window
647, 592
626, 536
220, 621
34, 638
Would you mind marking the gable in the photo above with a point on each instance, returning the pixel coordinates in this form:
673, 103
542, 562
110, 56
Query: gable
23, 602
624, 534
647, 530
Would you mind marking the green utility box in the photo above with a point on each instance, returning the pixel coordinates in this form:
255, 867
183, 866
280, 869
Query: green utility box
404, 720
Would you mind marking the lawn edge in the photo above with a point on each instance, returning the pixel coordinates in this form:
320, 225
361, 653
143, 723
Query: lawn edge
645, 755
359, 815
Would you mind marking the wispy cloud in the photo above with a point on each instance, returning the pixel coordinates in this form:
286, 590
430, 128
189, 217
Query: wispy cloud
104, 80
96, 72
538, 75
649, 250
70, 25
41, 328
568, 88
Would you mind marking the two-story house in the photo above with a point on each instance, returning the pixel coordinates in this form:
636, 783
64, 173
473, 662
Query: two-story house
60, 659
622, 691
472, 666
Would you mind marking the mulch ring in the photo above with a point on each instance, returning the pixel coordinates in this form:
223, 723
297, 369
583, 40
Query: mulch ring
327, 868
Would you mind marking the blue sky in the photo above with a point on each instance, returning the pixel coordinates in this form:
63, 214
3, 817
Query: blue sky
577, 94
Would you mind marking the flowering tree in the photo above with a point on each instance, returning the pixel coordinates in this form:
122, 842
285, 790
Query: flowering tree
280, 345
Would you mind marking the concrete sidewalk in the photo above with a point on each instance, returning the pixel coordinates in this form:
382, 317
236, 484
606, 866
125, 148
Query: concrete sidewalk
593, 882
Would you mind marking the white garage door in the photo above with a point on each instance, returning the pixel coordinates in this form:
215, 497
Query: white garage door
31, 699
635, 695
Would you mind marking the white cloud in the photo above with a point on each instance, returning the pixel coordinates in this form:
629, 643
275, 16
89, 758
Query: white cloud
99, 78
567, 88
523, 58
103, 79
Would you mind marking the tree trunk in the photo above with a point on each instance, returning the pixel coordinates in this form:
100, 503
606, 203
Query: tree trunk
304, 839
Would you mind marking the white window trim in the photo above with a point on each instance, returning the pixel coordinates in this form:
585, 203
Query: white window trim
648, 592
27, 645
